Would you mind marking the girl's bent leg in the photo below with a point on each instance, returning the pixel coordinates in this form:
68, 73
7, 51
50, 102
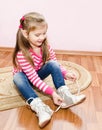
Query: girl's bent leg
52, 67
24, 86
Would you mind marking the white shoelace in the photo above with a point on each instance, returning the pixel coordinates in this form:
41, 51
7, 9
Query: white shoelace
78, 87
58, 107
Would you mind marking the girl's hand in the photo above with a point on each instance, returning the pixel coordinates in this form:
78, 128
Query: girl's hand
70, 76
57, 99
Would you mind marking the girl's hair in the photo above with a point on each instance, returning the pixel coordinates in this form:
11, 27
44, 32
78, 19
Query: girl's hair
29, 22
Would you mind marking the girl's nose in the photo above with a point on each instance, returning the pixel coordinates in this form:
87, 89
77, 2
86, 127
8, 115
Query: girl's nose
42, 37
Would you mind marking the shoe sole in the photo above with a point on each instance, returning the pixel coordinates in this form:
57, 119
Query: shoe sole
75, 103
44, 123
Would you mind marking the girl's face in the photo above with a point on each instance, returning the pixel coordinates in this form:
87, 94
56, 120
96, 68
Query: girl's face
37, 36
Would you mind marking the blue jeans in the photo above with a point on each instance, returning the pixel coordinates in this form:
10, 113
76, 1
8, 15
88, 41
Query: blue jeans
25, 86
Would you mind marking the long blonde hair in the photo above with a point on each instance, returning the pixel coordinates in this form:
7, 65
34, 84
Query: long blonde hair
29, 22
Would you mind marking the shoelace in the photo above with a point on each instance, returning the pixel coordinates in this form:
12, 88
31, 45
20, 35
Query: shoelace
78, 87
58, 107
78, 92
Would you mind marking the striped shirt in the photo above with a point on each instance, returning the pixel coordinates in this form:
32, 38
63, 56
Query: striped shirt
31, 72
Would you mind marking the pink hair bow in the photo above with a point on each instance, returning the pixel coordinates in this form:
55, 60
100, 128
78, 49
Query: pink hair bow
23, 18
20, 26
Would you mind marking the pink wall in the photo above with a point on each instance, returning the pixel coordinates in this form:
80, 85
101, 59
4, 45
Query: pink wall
73, 24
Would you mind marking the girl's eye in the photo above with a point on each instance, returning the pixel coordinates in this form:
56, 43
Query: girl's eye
44, 34
37, 35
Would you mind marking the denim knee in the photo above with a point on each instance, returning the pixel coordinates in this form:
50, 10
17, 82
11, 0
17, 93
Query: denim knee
53, 64
19, 78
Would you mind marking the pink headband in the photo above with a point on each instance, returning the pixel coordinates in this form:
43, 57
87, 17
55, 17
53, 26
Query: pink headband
23, 18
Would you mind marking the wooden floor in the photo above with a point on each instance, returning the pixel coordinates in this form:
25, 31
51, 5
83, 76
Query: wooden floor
85, 116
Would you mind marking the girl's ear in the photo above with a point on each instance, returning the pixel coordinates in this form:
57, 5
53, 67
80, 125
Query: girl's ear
25, 34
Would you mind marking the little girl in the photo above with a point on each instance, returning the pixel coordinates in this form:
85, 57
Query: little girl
33, 61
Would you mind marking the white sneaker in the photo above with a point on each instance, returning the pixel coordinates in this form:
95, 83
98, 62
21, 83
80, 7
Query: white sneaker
42, 110
70, 99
